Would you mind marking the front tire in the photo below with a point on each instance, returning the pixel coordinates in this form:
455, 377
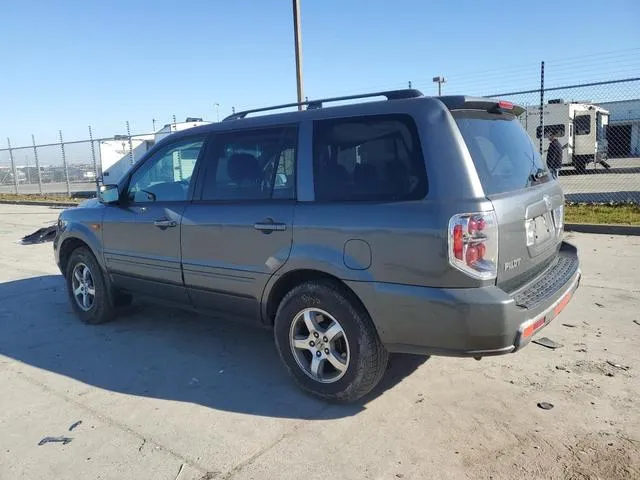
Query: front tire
89, 293
328, 343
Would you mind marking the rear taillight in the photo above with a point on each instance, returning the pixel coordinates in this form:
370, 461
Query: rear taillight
558, 218
473, 244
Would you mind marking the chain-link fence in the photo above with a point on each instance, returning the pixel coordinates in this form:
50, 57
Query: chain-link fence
597, 127
69, 167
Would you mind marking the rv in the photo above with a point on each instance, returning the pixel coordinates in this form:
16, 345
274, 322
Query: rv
580, 128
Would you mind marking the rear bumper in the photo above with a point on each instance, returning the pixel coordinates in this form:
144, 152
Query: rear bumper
468, 322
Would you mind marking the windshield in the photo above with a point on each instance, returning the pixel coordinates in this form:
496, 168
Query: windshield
504, 155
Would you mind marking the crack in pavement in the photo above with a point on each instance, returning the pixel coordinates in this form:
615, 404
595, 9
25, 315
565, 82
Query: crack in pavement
607, 287
249, 461
112, 422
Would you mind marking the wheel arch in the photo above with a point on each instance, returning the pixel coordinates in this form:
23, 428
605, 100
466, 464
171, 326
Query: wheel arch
275, 292
68, 246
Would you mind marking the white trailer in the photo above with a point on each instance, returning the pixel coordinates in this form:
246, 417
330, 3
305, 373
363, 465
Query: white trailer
580, 128
117, 156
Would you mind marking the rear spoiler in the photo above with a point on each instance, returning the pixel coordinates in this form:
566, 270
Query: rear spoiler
461, 102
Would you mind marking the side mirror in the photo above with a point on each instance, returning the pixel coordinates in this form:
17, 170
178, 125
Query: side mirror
281, 180
109, 194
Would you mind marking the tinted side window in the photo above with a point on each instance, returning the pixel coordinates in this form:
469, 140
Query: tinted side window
252, 165
583, 124
368, 158
166, 176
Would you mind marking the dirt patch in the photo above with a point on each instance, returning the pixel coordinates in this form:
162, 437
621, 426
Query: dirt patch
590, 456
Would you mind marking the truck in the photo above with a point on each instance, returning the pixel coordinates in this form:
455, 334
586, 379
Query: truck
580, 128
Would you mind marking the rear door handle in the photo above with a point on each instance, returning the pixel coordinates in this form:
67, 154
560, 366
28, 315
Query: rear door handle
268, 226
165, 223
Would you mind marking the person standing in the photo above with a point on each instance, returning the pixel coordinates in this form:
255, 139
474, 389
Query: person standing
554, 155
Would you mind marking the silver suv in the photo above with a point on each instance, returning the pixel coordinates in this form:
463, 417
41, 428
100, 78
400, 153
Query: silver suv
412, 224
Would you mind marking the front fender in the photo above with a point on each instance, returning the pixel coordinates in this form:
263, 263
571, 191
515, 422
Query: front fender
84, 226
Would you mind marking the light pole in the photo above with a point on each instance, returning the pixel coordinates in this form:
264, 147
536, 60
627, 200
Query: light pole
217, 105
439, 80
297, 38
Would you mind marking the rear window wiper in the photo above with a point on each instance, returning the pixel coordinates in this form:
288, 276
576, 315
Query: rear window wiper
538, 175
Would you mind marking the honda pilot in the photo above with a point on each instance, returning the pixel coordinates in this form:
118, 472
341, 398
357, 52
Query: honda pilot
423, 225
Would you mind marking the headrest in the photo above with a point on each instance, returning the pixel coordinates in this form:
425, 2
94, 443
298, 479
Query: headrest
243, 167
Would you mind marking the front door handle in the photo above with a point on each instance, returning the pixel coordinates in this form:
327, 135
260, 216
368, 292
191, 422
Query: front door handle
164, 223
268, 226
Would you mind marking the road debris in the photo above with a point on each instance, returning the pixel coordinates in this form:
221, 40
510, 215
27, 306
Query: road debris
637, 322
599, 305
179, 471
73, 426
547, 342
42, 235
570, 325
617, 365
545, 405
62, 440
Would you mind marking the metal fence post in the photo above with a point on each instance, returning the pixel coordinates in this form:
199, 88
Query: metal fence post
93, 159
35, 155
13, 167
64, 163
541, 106
131, 159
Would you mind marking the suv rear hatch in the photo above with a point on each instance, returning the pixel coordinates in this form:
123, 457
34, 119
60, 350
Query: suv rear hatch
528, 203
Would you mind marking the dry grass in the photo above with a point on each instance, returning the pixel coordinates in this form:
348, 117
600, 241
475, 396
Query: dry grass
12, 197
627, 214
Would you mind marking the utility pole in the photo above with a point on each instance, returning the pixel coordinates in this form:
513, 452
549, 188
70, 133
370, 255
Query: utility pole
297, 36
439, 80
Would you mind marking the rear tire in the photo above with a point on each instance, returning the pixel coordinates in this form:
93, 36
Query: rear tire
341, 342
89, 292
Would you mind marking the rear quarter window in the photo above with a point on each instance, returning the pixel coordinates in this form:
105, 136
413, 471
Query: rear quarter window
367, 159
502, 151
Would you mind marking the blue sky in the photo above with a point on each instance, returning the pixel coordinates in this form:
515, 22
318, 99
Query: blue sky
69, 64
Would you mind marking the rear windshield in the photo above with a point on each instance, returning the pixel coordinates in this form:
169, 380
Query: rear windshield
502, 151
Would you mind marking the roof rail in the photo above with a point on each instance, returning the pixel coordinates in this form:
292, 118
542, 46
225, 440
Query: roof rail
313, 104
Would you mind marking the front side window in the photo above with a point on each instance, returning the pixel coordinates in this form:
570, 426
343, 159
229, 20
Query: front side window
583, 124
252, 165
166, 176
368, 158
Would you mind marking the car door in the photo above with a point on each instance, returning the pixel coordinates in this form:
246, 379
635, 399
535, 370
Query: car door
237, 232
141, 235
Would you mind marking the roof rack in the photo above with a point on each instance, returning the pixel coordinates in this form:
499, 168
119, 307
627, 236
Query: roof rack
313, 104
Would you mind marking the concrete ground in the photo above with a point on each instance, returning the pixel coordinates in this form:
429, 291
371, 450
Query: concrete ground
166, 395
621, 183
